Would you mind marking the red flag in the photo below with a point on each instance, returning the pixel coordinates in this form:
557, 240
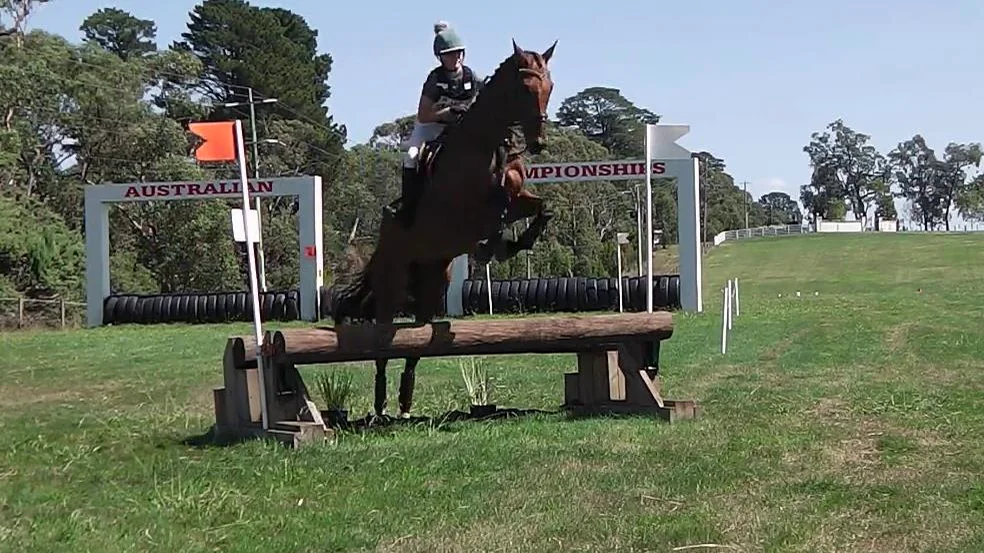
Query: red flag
218, 140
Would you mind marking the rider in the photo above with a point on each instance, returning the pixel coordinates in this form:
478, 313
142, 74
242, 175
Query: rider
447, 93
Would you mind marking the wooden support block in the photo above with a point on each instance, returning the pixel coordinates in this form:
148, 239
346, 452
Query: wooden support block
304, 432
623, 381
218, 396
570, 389
294, 417
253, 394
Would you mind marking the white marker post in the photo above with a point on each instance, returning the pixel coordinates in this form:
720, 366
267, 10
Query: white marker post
649, 218
724, 319
620, 239
737, 302
488, 283
253, 281
730, 303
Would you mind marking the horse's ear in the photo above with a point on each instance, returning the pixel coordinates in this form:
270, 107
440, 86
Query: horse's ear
549, 53
517, 51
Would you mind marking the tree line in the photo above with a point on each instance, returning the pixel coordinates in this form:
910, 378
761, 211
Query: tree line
114, 106
851, 175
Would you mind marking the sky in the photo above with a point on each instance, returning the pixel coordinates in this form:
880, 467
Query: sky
753, 79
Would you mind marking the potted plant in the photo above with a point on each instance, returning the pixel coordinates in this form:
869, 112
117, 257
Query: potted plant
335, 390
478, 385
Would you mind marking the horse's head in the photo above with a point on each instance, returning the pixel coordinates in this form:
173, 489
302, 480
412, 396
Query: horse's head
534, 75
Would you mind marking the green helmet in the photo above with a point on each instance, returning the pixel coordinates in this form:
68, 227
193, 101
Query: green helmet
445, 39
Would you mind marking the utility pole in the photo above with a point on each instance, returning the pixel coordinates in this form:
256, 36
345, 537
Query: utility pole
256, 175
745, 200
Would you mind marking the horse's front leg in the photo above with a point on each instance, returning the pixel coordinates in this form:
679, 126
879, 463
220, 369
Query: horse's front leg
379, 402
525, 205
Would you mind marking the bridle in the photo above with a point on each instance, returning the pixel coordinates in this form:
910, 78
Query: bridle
539, 75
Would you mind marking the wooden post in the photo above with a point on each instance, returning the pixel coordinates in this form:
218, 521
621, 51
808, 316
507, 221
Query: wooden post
288, 403
62, 302
20, 312
624, 380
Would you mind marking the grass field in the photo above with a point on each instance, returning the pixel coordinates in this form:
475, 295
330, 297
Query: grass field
849, 420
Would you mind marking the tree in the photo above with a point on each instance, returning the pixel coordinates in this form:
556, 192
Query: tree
271, 50
957, 159
120, 32
970, 202
779, 208
823, 197
850, 167
608, 118
392, 134
18, 11
915, 169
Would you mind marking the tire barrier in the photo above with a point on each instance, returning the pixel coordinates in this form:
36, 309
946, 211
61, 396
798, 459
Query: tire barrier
215, 307
552, 295
569, 294
515, 296
329, 296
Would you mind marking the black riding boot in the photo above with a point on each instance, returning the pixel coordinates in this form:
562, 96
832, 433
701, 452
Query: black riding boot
410, 195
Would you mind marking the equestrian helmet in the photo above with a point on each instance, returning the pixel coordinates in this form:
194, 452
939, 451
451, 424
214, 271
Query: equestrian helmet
446, 39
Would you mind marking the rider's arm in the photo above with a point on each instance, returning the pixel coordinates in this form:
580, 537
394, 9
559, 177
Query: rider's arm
426, 112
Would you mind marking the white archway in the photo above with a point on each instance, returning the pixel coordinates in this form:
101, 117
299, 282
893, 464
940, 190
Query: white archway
307, 189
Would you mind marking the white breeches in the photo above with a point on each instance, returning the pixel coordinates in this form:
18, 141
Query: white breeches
422, 132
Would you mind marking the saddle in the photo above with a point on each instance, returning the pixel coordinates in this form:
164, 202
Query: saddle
512, 146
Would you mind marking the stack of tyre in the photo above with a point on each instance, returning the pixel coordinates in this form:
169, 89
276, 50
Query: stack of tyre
569, 294
216, 307
515, 296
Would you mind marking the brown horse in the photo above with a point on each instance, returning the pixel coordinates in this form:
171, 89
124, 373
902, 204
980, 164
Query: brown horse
474, 190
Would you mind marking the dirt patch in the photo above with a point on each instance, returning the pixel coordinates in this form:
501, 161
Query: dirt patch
16, 397
743, 515
773, 353
898, 336
925, 528
518, 515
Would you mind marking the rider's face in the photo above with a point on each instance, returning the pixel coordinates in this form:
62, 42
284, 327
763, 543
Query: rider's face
452, 60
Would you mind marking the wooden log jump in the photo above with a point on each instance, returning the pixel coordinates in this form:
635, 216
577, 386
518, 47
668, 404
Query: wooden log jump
617, 365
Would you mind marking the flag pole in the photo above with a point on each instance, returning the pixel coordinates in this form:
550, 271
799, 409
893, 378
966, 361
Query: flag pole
649, 218
253, 283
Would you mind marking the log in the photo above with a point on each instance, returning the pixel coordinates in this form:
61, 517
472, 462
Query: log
561, 334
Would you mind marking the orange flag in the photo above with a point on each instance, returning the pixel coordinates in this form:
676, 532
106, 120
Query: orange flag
218, 140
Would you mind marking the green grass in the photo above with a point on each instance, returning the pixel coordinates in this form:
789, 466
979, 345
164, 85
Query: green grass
849, 420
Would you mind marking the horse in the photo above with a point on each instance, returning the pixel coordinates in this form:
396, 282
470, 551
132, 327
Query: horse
474, 190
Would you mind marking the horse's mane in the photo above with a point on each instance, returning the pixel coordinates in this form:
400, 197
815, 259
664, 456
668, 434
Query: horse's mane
491, 92
507, 67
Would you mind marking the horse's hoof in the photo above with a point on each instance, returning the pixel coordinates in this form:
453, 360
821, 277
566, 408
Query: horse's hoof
404, 415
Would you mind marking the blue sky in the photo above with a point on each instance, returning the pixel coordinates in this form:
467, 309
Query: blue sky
753, 79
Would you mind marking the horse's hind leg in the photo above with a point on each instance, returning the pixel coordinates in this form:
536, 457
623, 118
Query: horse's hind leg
429, 284
389, 289
379, 402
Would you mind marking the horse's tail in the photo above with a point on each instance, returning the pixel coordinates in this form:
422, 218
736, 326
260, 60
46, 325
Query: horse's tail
355, 301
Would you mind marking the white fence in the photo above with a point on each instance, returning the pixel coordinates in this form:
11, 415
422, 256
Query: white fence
757, 232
